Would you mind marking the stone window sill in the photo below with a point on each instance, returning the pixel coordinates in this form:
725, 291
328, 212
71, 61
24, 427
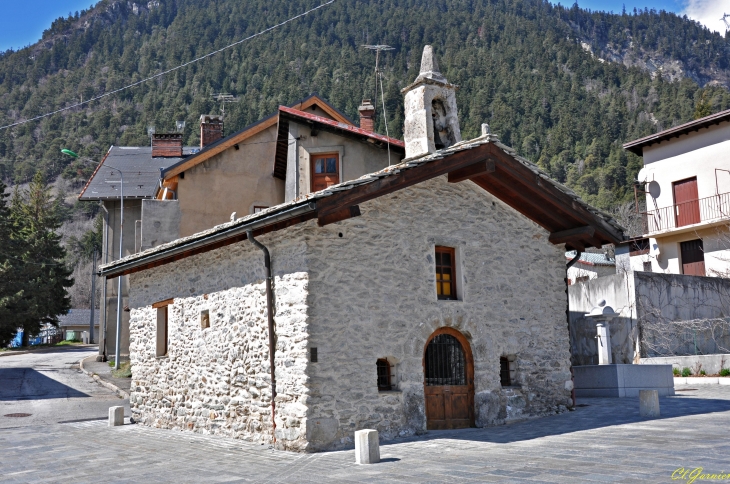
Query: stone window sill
163, 357
389, 391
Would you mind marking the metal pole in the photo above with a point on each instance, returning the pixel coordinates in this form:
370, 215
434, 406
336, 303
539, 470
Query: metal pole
93, 299
119, 283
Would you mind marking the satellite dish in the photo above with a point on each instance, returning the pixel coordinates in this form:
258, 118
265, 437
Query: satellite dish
641, 176
654, 189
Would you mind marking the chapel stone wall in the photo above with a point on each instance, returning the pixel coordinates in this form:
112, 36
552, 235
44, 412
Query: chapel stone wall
372, 295
217, 380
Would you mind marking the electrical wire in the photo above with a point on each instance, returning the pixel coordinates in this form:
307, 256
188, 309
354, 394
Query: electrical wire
160, 74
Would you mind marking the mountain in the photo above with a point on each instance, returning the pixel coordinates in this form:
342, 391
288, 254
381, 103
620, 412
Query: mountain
564, 86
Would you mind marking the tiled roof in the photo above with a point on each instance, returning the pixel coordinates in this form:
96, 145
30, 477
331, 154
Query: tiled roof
591, 258
141, 173
346, 128
78, 317
365, 179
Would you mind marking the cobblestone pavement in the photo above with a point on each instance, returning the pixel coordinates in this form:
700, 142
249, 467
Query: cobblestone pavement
605, 441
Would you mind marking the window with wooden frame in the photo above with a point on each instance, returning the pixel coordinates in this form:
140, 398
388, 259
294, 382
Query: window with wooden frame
162, 333
446, 272
383, 367
325, 170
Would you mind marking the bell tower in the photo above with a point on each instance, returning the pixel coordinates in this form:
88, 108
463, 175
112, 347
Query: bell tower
431, 120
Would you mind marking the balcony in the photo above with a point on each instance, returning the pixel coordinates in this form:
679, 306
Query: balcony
687, 215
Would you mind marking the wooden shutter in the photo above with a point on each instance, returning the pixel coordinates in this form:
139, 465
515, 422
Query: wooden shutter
693, 258
686, 202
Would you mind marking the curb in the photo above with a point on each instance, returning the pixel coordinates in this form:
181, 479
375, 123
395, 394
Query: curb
106, 384
702, 380
45, 349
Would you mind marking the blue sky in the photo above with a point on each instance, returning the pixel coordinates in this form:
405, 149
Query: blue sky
22, 22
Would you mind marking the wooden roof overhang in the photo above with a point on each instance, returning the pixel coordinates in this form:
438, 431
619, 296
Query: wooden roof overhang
569, 220
637, 146
319, 123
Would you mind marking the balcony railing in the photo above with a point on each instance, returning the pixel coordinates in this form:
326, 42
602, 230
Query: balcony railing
709, 209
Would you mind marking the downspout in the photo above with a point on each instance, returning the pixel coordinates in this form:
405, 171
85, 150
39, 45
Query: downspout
272, 335
570, 264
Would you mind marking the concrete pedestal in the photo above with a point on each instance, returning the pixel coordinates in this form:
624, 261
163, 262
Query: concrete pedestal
622, 380
649, 403
603, 339
367, 447
116, 416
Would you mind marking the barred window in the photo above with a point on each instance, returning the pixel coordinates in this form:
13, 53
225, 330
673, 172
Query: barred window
383, 367
504, 377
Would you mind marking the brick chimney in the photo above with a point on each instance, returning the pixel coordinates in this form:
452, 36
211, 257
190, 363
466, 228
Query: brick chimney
211, 129
167, 145
367, 115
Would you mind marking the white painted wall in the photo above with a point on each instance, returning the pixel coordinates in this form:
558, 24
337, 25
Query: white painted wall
702, 154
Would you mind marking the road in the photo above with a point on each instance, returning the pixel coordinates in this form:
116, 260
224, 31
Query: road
49, 386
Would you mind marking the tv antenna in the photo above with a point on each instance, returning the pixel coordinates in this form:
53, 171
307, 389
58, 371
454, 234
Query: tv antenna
725, 18
378, 49
224, 98
379, 77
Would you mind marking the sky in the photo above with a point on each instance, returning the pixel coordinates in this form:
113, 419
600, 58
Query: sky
23, 22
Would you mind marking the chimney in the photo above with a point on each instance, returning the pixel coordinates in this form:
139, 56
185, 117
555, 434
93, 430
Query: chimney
367, 115
211, 129
431, 122
167, 145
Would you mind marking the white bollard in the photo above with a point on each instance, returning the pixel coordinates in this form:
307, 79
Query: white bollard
649, 403
367, 447
116, 416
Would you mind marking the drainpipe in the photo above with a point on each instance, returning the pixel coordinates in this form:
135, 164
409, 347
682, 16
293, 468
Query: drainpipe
272, 336
567, 317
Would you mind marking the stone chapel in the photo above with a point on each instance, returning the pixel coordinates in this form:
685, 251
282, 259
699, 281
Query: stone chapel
427, 295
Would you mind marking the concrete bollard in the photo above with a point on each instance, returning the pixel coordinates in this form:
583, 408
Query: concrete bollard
367, 447
116, 416
649, 403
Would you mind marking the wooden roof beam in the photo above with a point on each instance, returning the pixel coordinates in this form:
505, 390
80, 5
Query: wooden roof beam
551, 194
572, 235
468, 172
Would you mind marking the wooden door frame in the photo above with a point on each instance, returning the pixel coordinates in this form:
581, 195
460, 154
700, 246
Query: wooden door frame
469, 365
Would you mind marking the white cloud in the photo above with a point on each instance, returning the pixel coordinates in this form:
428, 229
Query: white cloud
707, 12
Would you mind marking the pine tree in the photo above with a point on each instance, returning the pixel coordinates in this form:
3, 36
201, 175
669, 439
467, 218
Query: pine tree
703, 107
11, 279
37, 216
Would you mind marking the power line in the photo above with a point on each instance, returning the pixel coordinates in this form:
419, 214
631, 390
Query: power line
160, 74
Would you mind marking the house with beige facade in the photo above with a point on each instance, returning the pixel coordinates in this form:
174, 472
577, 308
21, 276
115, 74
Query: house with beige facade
171, 191
686, 184
427, 294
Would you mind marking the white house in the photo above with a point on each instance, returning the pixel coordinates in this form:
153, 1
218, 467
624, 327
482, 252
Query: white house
686, 178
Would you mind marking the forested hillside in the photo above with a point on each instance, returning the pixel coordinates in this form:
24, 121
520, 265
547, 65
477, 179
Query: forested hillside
550, 81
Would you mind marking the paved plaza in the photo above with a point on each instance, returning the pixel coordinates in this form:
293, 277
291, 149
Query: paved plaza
605, 441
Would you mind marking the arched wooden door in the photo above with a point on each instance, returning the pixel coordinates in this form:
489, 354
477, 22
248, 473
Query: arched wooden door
448, 369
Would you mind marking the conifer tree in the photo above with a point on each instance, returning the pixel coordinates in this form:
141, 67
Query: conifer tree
37, 217
11, 282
